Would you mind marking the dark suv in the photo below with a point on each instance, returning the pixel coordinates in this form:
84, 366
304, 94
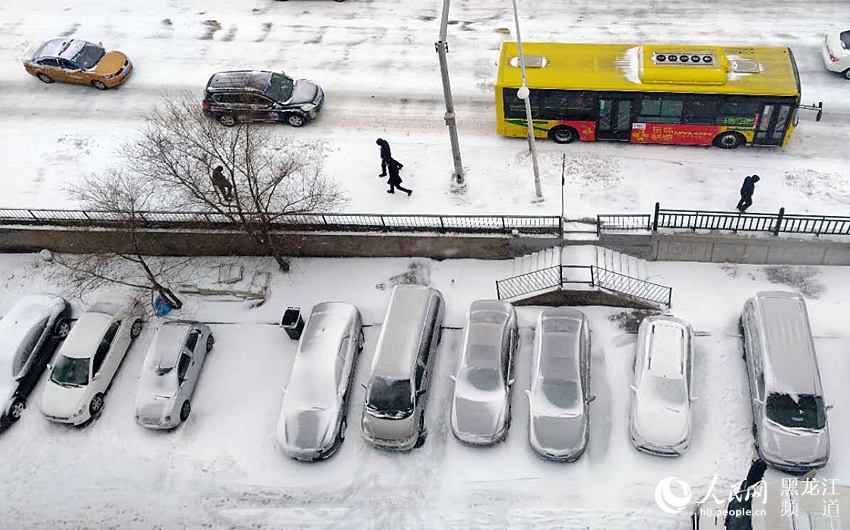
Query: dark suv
249, 95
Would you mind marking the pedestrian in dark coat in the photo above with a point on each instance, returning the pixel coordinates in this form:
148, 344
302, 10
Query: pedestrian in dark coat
395, 179
747, 189
386, 156
222, 184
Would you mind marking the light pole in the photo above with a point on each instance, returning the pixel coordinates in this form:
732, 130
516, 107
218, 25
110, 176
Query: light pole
442, 47
523, 94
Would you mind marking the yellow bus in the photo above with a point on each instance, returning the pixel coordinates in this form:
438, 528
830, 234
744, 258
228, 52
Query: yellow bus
663, 94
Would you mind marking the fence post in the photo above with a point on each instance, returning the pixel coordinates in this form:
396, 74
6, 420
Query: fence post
498, 295
32, 215
655, 217
442, 225
779, 221
592, 279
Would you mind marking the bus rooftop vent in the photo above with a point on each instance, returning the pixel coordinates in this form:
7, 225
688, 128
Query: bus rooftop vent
744, 66
682, 65
531, 61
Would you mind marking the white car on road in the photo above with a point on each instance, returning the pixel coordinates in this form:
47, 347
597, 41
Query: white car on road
661, 405
836, 52
88, 359
170, 372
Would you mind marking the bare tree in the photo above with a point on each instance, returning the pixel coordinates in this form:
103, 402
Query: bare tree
269, 176
124, 197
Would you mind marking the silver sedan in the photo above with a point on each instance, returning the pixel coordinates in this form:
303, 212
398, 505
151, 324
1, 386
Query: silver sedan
481, 405
559, 396
170, 373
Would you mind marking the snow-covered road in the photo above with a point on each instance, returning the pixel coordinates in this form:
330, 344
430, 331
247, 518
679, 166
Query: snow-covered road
377, 64
222, 470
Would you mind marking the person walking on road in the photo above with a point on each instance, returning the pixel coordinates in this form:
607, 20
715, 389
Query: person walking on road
222, 184
747, 189
386, 156
394, 181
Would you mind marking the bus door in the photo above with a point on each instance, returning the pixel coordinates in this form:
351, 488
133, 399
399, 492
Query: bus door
614, 121
772, 124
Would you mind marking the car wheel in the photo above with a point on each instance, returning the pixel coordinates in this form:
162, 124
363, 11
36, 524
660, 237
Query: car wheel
185, 410
342, 426
99, 85
227, 120
563, 135
729, 140
63, 327
295, 120
44, 78
136, 329
361, 340
210, 343
96, 404
17, 409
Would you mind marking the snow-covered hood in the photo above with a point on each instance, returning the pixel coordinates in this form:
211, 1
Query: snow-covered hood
306, 432
794, 447
303, 92
60, 401
558, 435
482, 415
152, 410
660, 423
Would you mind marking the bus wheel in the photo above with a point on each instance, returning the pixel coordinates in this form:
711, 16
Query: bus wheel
563, 135
729, 140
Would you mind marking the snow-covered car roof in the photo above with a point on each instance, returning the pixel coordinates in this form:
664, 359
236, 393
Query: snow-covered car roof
256, 79
788, 338
19, 320
86, 334
398, 344
667, 341
167, 345
67, 48
560, 341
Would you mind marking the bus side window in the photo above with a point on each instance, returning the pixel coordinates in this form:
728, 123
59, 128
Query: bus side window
700, 111
738, 111
661, 111
567, 105
515, 107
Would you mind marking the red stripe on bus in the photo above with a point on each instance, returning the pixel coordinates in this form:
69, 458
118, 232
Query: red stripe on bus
677, 134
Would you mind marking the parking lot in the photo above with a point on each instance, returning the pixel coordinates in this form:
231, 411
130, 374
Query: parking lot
222, 467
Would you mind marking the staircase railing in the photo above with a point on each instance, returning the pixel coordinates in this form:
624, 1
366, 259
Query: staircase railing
554, 277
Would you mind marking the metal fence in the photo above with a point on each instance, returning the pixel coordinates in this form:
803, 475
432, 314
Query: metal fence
774, 223
348, 222
615, 282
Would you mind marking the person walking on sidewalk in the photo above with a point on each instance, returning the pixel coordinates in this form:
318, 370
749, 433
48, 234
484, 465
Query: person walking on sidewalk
747, 189
394, 181
222, 184
386, 155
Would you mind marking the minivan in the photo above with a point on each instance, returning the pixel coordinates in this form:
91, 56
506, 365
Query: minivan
394, 408
789, 414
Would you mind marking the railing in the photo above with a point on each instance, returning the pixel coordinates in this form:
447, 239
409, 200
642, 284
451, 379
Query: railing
348, 222
615, 282
622, 222
774, 223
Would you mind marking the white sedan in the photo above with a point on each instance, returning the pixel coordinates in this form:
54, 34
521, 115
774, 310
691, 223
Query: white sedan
836, 52
170, 372
661, 405
88, 360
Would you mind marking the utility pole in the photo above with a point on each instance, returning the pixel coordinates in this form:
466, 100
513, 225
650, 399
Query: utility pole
523, 94
442, 47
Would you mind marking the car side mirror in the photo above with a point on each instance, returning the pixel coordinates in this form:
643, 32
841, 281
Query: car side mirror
829, 407
759, 401
511, 382
49, 367
528, 392
694, 398
633, 387
453, 377
591, 399
364, 386
420, 392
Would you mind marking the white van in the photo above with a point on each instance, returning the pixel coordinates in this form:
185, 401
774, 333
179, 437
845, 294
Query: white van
394, 408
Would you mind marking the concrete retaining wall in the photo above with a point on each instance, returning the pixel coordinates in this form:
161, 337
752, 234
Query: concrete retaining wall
222, 243
731, 248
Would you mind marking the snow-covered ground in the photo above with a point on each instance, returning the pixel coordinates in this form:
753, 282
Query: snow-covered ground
377, 64
221, 469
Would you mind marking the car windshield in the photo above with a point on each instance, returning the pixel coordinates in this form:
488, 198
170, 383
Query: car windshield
70, 371
800, 412
669, 390
88, 56
483, 378
390, 397
562, 394
280, 87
